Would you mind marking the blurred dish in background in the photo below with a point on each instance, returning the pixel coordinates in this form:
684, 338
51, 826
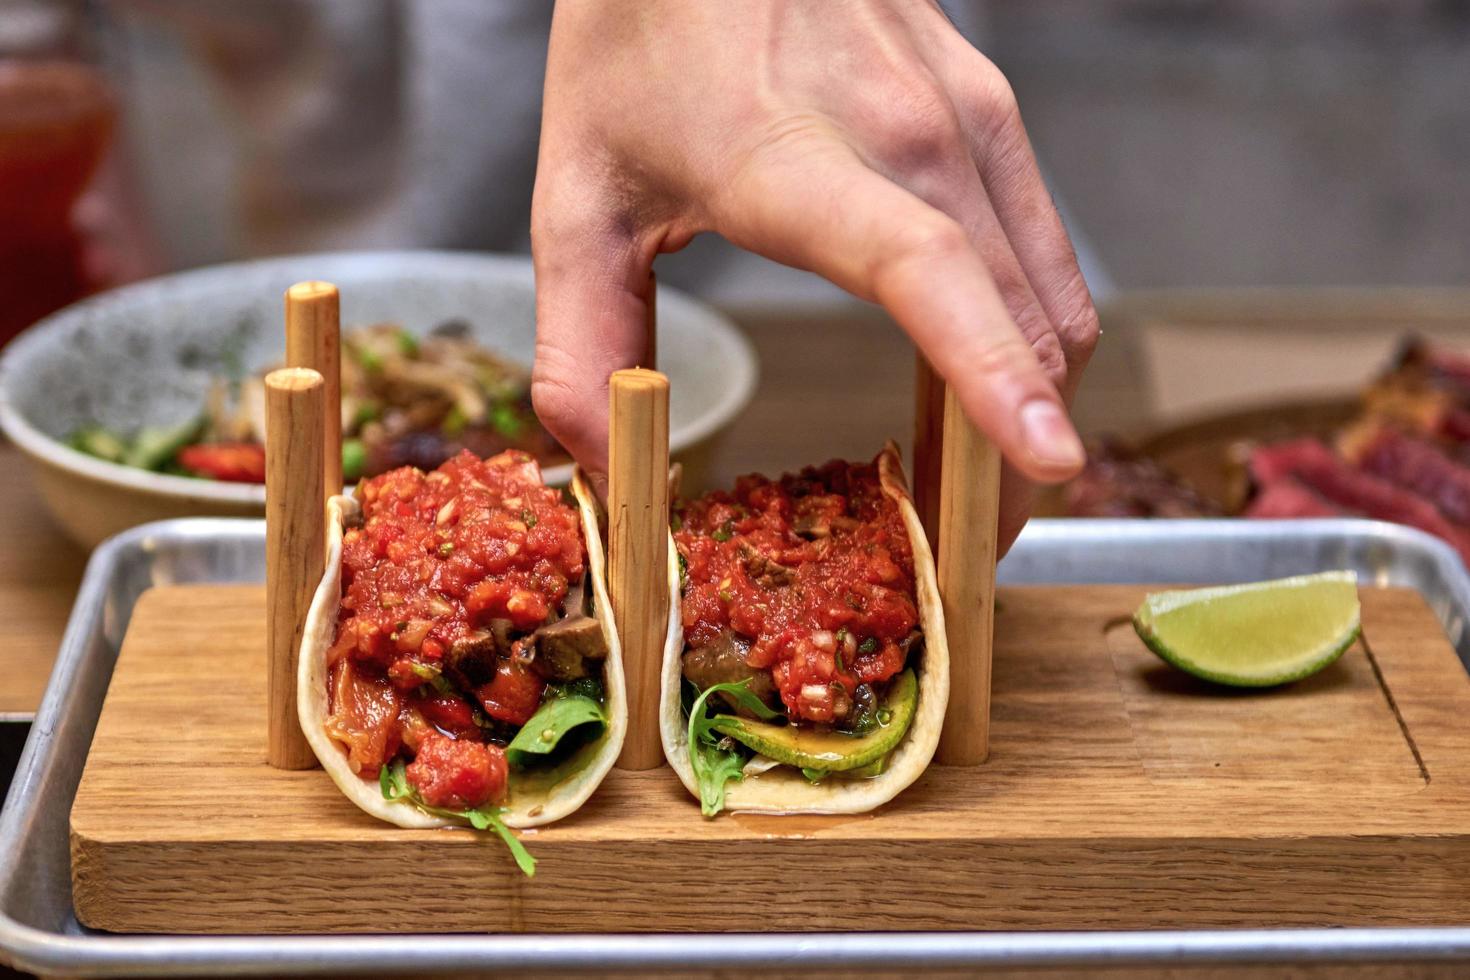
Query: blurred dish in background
406, 401
1399, 453
147, 356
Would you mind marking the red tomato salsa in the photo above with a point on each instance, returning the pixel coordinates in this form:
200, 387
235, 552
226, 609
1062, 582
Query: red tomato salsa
808, 579
444, 582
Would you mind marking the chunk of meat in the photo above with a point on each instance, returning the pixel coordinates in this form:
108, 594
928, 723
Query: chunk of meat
819, 524
723, 662
1119, 483
1316, 467
564, 649
1289, 498
766, 572
471, 659
456, 774
1414, 464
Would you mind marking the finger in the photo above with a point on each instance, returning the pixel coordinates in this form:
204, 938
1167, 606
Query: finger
967, 202
1024, 206
938, 168
820, 209
590, 304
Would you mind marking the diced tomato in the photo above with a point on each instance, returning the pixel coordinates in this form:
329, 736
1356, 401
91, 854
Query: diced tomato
456, 774
234, 462
436, 558
513, 695
815, 570
451, 714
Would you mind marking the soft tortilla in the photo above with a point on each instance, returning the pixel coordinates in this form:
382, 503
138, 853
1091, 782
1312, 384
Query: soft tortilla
784, 789
533, 801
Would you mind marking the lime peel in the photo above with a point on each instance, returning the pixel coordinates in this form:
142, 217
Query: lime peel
1259, 634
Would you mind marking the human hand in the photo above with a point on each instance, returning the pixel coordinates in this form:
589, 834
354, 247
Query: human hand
866, 141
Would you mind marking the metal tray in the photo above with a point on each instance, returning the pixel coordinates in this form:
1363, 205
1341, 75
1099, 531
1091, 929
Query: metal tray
39, 932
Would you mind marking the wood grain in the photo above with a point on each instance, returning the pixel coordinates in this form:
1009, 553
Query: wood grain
650, 324
1084, 817
638, 534
928, 445
314, 340
969, 507
295, 546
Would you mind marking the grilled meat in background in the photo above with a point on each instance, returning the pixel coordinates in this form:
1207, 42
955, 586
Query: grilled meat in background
1403, 456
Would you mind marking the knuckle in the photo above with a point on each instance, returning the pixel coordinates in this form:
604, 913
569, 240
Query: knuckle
1006, 357
928, 141
994, 91
555, 394
1047, 347
1079, 327
921, 129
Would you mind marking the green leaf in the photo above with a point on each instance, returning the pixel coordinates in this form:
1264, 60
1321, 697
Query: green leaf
366, 412
408, 344
584, 687
540, 736
454, 422
354, 459
815, 775
724, 532
870, 645
506, 420
714, 758
393, 782
369, 360
489, 819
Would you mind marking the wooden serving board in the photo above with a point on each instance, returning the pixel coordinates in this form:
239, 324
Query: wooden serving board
1119, 794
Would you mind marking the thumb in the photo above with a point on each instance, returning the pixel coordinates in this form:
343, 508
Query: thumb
591, 296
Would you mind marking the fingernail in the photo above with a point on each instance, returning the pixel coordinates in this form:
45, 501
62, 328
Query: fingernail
1049, 435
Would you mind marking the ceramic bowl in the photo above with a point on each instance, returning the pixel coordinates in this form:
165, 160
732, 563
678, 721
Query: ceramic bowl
145, 354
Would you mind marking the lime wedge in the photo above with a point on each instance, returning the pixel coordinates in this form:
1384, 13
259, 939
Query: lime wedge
1256, 635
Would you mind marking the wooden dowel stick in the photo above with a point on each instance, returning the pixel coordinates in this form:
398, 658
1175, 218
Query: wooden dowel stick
928, 445
314, 340
638, 534
650, 324
969, 505
295, 404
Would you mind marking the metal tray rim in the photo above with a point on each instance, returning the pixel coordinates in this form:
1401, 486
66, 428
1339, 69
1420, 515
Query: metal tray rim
27, 947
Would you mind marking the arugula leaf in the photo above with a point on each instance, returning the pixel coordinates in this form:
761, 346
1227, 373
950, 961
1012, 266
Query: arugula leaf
549, 726
712, 755
393, 782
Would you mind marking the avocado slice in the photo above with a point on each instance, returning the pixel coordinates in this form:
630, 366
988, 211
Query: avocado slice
805, 748
97, 441
154, 446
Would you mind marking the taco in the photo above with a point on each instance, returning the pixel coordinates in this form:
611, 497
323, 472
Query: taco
805, 667
460, 664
